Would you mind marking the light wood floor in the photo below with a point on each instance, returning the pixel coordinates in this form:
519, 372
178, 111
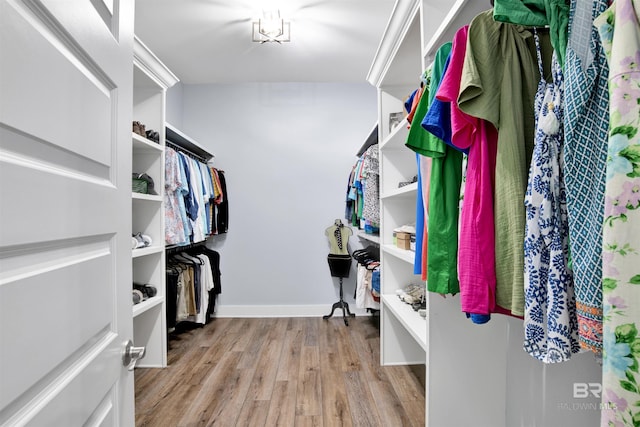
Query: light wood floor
280, 372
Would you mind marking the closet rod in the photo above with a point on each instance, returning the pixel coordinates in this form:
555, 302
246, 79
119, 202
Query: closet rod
179, 248
185, 151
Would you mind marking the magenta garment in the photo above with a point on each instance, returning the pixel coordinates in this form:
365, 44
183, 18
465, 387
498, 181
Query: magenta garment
476, 249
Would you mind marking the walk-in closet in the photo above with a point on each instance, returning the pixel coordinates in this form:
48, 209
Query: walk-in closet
320, 213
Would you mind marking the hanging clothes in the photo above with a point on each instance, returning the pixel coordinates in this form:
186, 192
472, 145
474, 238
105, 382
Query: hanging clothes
550, 324
371, 205
173, 222
349, 210
193, 284
362, 208
190, 202
586, 122
198, 222
367, 293
476, 253
415, 139
207, 196
499, 84
619, 29
195, 200
444, 183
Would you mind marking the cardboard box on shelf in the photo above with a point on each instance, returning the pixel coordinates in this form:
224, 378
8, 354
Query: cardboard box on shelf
403, 240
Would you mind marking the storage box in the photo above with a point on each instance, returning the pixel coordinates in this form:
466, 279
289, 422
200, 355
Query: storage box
403, 240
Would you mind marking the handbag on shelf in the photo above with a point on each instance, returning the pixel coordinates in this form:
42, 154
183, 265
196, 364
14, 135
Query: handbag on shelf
142, 183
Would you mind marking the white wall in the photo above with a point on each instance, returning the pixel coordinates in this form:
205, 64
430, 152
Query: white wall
287, 150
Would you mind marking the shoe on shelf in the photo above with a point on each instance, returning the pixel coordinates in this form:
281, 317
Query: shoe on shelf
153, 135
411, 181
143, 240
137, 297
147, 291
139, 128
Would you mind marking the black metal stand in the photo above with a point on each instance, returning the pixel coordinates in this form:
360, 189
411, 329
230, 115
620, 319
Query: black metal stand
342, 304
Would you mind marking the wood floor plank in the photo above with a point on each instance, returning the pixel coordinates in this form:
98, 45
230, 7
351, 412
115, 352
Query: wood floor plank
266, 369
289, 365
366, 341
264, 378
361, 402
349, 358
308, 421
234, 392
215, 391
282, 407
168, 411
390, 409
309, 394
335, 403
405, 383
251, 353
326, 335
309, 359
155, 390
247, 338
253, 413
311, 331
415, 410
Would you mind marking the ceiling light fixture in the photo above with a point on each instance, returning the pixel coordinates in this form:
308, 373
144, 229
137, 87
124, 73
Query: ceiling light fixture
271, 28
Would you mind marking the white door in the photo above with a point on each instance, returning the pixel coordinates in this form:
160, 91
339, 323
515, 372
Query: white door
65, 212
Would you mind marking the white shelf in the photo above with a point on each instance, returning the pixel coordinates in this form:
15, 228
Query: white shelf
460, 14
372, 139
149, 250
374, 238
408, 190
177, 137
404, 254
144, 145
146, 305
415, 324
397, 137
150, 197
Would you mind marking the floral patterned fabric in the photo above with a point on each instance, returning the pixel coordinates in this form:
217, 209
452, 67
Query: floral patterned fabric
371, 207
174, 232
620, 34
550, 323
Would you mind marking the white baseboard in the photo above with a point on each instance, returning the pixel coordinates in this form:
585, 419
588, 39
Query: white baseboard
316, 310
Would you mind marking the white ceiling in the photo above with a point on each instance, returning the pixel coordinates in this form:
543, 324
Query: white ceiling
209, 41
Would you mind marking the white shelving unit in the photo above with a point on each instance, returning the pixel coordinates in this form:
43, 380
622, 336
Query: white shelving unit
151, 79
475, 374
396, 72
